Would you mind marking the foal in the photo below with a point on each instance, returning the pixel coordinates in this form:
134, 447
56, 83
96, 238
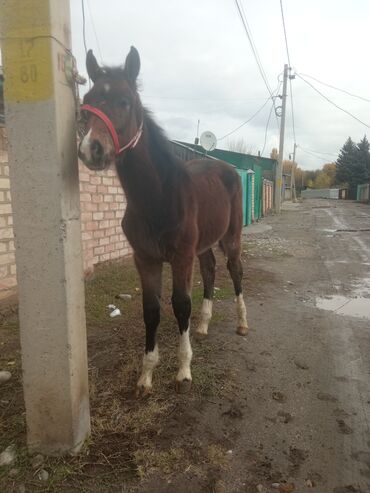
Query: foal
175, 211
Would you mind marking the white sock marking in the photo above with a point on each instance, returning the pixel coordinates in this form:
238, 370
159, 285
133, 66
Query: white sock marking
241, 311
185, 354
206, 315
150, 361
85, 146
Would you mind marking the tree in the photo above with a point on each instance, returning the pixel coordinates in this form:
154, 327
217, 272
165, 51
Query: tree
363, 151
240, 145
330, 170
322, 180
346, 161
274, 154
352, 165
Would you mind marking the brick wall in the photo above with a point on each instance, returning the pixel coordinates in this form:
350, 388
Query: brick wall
7, 258
102, 208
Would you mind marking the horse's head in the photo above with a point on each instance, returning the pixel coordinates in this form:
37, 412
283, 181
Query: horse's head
111, 112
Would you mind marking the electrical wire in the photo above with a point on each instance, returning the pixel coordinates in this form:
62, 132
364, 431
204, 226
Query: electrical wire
332, 102
318, 152
84, 25
94, 29
266, 129
269, 117
292, 108
286, 39
314, 154
290, 80
254, 50
251, 40
247, 121
336, 88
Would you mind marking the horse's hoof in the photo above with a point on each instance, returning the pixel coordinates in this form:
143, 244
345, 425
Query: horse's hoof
242, 331
183, 386
142, 391
200, 336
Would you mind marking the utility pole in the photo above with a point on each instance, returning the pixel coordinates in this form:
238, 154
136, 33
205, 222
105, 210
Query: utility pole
292, 184
40, 121
279, 168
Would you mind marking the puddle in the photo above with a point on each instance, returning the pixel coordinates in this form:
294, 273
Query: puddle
353, 307
357, 305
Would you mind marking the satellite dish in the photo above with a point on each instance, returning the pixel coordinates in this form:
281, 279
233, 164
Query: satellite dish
208, 141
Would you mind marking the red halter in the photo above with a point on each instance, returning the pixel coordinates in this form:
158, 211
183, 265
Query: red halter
112, 131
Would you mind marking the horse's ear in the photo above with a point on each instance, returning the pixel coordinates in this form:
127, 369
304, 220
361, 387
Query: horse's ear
92, 66
132, 64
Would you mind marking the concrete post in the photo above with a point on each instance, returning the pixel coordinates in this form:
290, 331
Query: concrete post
279, 167
40, 118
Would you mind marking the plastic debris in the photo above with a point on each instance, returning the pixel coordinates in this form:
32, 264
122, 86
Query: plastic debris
8, 456
115, 313
5, 376
126, 297
43, 475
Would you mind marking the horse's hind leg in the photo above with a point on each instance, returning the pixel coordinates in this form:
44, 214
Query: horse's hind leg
151, 280
182, 273
207, 263
232, 248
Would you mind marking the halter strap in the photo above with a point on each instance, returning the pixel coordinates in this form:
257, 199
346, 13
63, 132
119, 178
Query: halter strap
112, 131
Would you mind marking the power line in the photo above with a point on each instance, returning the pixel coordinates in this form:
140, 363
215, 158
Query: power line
188, 98
253, 44
318, 152
313, 154
93, 26
248, 32
84, 25
332, 102
249, 36
268, 120
247, 121
292, 108
286, 39
290, 77
337, 88
267, 126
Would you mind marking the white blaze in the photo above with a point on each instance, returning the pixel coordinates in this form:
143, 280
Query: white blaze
85, 146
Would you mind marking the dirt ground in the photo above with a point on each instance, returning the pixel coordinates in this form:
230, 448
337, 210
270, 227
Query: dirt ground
286, 408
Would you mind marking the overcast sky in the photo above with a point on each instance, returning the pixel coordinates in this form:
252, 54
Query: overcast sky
197, 64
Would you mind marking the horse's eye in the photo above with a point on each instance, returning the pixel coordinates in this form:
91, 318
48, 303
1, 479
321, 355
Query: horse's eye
124, 102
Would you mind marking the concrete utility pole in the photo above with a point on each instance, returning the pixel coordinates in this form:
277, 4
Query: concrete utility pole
279, 168
293, 189
40, 119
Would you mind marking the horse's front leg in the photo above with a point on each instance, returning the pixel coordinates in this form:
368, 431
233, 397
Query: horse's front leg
151, 281
182, 273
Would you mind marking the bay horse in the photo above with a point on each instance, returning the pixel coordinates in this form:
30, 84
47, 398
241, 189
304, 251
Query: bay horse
175, 212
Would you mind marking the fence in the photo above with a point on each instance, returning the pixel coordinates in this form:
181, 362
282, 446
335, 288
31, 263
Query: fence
320, 193
267, 196
363, 193
102, 207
